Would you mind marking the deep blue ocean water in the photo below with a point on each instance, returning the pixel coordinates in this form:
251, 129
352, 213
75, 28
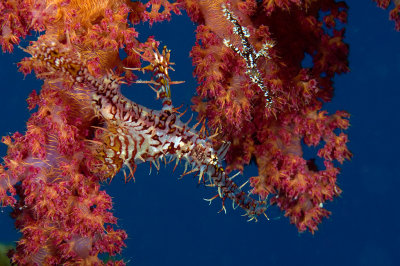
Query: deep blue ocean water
169, 223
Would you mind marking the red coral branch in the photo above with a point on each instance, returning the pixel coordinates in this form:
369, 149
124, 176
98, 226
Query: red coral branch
274, 136
61, 211
394, 13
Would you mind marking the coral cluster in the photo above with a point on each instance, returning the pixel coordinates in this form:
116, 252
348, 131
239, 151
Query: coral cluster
255, 92
394, 13
274, 137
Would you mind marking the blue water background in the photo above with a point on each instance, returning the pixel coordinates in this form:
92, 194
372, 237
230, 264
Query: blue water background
169, 223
